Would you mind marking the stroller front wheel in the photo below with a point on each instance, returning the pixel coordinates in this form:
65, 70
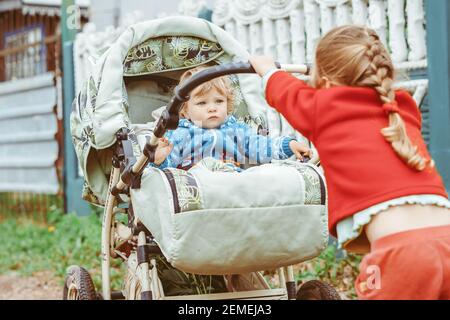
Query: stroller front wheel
78, 285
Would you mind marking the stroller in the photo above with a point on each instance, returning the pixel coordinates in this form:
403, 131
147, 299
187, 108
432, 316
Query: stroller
178, 235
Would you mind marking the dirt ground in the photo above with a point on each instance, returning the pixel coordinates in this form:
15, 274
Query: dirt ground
44, 286
40, 286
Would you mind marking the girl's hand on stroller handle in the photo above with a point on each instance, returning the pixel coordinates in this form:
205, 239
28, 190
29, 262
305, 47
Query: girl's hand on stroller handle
263, 64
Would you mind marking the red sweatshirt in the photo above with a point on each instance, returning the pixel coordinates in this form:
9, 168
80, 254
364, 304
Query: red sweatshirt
344, 123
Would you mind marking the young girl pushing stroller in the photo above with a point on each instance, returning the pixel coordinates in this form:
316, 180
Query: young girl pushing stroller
385, 195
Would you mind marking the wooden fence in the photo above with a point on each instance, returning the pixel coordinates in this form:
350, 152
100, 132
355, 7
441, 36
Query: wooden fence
31, 205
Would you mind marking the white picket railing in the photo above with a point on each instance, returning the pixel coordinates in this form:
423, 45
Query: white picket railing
290, 29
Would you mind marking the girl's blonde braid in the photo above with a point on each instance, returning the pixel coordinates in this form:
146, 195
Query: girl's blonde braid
380, 75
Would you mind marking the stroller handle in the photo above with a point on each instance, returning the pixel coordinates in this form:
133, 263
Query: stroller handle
169, 118
230, 68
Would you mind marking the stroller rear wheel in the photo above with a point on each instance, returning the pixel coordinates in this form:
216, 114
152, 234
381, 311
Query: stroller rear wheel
317, 290
78, 285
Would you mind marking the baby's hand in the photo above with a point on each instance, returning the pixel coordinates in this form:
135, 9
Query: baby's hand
300, 150
262, 64
162, 151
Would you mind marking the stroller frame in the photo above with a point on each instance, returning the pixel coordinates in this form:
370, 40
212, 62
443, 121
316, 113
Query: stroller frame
126, 174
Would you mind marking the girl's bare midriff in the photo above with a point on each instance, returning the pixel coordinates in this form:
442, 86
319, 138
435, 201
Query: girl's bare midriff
404, 218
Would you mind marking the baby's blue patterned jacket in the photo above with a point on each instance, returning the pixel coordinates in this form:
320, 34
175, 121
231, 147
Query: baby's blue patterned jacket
232, 141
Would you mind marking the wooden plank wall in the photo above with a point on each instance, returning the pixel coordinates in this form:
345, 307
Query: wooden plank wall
35, 205
14, 21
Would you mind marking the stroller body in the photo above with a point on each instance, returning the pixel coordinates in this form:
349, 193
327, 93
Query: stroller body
217, 228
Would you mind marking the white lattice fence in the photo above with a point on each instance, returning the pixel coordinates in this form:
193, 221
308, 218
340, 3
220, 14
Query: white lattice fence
290, 29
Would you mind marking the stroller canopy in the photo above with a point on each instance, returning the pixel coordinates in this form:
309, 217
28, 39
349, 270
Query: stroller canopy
149, 56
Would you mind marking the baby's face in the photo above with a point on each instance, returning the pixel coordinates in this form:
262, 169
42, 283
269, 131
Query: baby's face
207, 111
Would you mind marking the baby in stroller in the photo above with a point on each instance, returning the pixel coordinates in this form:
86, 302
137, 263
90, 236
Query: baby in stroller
209, 130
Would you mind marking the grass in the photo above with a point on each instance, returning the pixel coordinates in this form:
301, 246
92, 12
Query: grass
66, 239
